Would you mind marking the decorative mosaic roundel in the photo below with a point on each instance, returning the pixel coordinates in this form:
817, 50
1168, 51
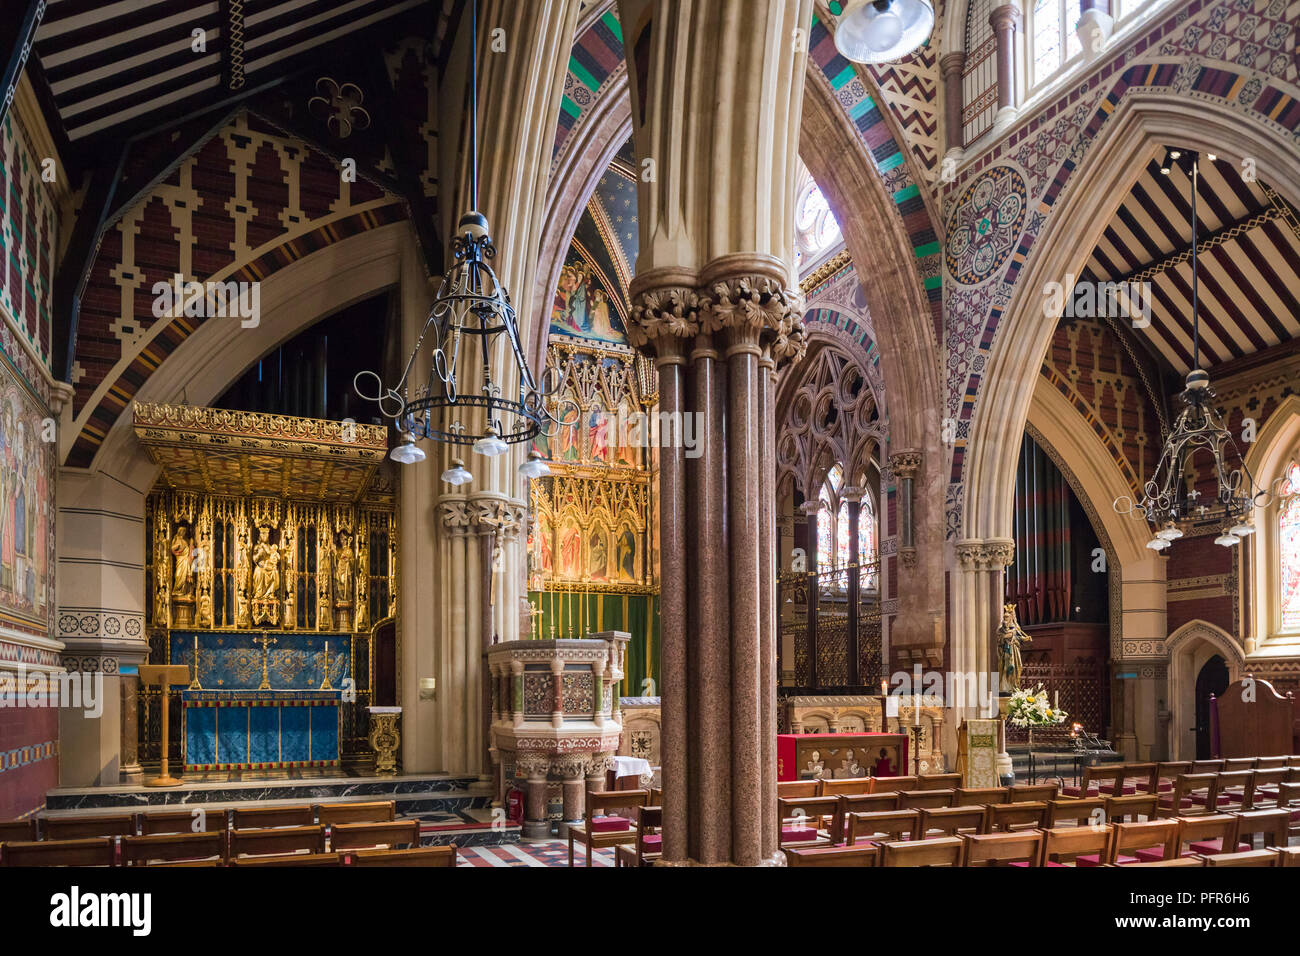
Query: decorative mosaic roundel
985, 225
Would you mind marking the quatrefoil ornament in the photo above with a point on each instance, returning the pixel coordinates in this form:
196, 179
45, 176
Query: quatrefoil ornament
339, 107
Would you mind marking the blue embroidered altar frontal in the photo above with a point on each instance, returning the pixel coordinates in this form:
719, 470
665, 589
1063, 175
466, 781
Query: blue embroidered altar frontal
260, 729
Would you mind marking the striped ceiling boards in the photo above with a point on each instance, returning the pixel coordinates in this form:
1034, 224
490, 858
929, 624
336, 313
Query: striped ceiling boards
114, 64
1248, 250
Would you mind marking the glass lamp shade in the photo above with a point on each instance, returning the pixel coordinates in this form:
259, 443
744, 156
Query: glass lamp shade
535, 466
407, 453
1227, 539
1241, 529
457, 474
1157, 544
1170, 532
490, 444
880, 31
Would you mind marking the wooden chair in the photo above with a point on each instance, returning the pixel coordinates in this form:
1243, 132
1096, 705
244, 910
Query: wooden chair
941, 851
260, 818
1216, 833
849, 785
1206, 766
1111, 780
952, 821
1151, 835
938, 781
983, 796
1249, 858
1191, 795
182, 821
421, 856
290, 859
392, 835
1092, 779
18, 831
1061, 843
173, 847
1033, 793
1192, 860
649, 840
926, 799
798, 788
1235, 791
274, 841
1124, 808
1239, 763
1079, 811
381, 811
863, 854
889, 824
1288, 855
1265, 786
1008, 817
1003, 849
1288, 798
1142, 777
858, 803
1167, 771
892, 784
799, 819
91, 852
1273, 825
601, 829
1270, 763
85, 828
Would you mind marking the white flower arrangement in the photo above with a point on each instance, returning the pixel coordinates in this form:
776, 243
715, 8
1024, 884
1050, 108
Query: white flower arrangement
1031, 708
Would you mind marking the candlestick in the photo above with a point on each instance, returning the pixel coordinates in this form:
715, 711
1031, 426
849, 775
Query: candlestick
325, 684
194, 681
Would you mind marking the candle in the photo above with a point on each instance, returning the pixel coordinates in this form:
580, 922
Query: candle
1056, 700
916, 710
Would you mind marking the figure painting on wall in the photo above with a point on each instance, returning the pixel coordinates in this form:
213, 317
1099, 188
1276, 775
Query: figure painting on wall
598, 430
597, 563
570, 547
583, 307
627, 555
25, 515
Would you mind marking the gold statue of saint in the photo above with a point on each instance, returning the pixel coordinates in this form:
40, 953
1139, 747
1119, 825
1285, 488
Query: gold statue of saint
343, 569
1010, 637
266, 579
183, 573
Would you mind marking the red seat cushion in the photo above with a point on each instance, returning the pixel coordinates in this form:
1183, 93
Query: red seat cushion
1295, 815
1025, 863
797, 834
1168, 802
1210, 847
652, 843
610, 824
1127, 790
1074, 791
1093, 859
1150, 854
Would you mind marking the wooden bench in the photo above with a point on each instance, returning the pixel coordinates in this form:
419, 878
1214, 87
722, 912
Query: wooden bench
849, 785
649, 839
862, 854
941, 851
1239, 763
1062, 843
290, 859
926, 799
1079, 811
421, 856
380, 811
1119, 809
1095, 781
1206, 766
969, 797
952, 821
1270, 763
1152, 835
273, 841
1009, 817
90, 852
1273, 825
893, 784
1167, 771
1235, 791
858, 803
799, 819
938, 781
1033, 793
173, 847
602, 829
357, 836
85, 828
1191, 795
1141, 777
18, 831
798, 788
1267, 787
1288, 855
889, 824
261, 818
1003, 849
182, 821
1193, 860
1248, 858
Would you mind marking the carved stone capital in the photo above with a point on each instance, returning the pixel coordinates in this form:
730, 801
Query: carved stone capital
1007, 16
569, 766
951, 65
456, 515
905, 464
991, 555
667, 312
598, 764
532, 766
762, 305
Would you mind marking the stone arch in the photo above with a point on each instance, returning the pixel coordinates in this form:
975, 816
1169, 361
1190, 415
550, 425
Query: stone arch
1142, 123
1188, 648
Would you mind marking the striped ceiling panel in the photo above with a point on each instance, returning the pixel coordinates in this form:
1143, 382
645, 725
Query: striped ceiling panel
129, 62
1249, 262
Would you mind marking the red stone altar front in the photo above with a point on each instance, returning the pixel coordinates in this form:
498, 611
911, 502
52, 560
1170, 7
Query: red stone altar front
840, 756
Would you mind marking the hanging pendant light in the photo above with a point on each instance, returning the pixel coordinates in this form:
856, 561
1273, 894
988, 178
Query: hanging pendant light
535, 466
470, 319
457, 474
1167, 499
881, 31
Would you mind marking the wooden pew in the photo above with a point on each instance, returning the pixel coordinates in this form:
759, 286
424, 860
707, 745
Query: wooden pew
1266, 787
892, 784
173, 847
858, 803
260, 818
89, 852
1033, 793
798, 819
1015, 816
85, 828
1235, 791
1060, 843
938, 781
421, 856
850, 785
357, 836
1093, 779
890, 824
1216, 833
952, 821
290, 859
1141, 777
863, 854
1193, 860
1288, 855
182, 821
1232, 764
1167, 771
942, 851
1249, 858
798, 788
1270, 763
649, 840
1079, 811
380, 811
1192, 794
274, 841
1288, 798
1273, 825
18, 831
1003, 849
967, 797
1134, 806
604, 829
926, 799
1207, 766
1130, 838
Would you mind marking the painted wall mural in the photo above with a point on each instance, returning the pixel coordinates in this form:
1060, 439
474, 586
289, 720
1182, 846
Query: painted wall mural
26, 507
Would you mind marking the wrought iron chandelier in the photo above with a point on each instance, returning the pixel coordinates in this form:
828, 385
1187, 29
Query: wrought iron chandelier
471, 313
1170, 500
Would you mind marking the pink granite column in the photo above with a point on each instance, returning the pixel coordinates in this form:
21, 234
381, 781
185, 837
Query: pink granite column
768, 633
1005, 20
951, 66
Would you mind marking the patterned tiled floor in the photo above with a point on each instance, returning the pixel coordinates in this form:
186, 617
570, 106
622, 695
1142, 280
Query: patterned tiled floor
550, 853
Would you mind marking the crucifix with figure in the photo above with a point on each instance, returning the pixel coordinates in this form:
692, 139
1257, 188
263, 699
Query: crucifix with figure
266, 641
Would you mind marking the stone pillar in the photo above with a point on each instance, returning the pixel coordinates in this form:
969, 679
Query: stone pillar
131, 772
811, 509
853, 497
1005, 21
1095, 27
951, 66
572, 773
534, 769
977, 611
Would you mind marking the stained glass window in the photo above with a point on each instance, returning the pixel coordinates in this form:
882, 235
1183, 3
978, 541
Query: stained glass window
825, 534
1289, 549
815, 227
1055, 36
867, 543
842, 536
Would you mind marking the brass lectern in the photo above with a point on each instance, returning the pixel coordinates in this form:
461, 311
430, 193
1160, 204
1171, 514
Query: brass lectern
165, 676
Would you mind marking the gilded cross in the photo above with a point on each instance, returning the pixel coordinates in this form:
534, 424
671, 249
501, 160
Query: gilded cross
266, 641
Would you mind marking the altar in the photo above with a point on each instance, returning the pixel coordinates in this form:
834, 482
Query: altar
260, 729
840, 756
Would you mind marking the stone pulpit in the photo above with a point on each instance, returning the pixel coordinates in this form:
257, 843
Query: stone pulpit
556, 722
